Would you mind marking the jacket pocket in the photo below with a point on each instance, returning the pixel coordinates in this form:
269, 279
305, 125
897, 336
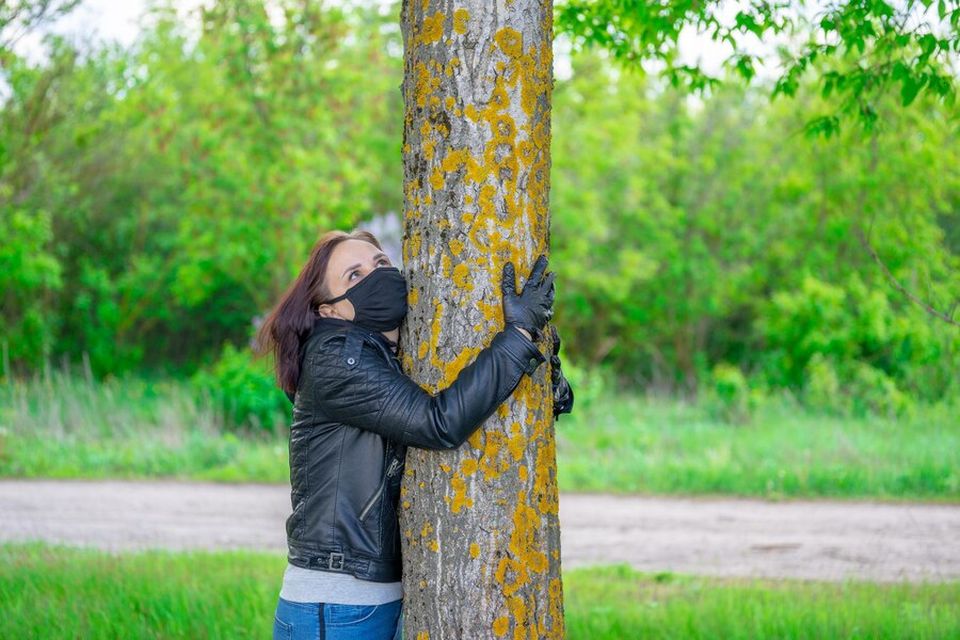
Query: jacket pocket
392, 469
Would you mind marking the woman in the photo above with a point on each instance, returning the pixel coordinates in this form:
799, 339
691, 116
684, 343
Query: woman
334, 337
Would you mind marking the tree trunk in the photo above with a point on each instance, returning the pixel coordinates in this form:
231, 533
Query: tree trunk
480, 525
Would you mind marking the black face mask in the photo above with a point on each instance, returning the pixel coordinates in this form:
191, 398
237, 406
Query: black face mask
379, 300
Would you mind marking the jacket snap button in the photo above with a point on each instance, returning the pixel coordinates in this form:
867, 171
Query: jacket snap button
351, 361
533, 362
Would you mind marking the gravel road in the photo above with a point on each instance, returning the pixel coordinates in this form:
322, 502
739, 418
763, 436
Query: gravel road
722, 537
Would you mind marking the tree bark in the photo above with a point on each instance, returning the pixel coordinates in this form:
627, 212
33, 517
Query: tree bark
480, 526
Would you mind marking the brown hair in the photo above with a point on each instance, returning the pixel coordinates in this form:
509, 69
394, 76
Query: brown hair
291, 320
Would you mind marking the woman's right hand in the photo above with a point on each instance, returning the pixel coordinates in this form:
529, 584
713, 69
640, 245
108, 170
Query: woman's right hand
533, 306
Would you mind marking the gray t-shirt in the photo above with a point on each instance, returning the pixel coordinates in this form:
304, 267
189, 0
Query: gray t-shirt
315, 585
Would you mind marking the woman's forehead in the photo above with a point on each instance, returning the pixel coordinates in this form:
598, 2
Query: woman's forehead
353, 250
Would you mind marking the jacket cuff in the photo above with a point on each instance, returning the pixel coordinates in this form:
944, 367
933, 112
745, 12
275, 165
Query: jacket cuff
523, 350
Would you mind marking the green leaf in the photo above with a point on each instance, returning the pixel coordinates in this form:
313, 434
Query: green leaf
909, 89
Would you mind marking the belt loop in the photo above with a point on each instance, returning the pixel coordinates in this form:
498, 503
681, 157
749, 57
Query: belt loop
322, 623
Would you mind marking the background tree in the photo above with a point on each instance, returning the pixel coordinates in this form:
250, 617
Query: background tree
856, 50
147, 213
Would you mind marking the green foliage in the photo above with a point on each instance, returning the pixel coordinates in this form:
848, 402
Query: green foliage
245, 389
715, 236
590, 385
29, 276
155, 200
186, 178
862, 50
727, 396
846, 346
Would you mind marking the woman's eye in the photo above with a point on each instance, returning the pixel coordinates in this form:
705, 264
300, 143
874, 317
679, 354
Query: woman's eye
351, 275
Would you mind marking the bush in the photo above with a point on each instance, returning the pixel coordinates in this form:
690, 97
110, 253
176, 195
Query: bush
850, 352
822, 387
865, 390
588, 384
245, 389
874, 392
728, 397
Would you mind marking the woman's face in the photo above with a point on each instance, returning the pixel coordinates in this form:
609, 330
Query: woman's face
351, 261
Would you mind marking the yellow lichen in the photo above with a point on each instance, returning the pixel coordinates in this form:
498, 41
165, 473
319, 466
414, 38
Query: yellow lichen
499, 626
517, 442
510, 41
476, 439
460, 17
474, 550
544, 474
461, 277
432, 28
436, 179
452, 369
460, 500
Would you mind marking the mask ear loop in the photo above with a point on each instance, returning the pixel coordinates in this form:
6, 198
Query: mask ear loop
337, 299
316, 310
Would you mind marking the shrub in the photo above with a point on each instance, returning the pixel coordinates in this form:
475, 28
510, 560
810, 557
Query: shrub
864, 390
822, 387
728, 396
245, 389
588, 384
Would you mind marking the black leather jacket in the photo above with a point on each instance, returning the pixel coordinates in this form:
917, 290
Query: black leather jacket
354, 414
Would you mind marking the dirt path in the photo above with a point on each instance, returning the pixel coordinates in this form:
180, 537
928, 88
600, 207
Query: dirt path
725, 537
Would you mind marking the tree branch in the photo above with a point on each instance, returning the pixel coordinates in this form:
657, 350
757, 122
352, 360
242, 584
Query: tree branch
949, 318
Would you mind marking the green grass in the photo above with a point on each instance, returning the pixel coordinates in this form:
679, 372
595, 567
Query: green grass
66, 427
667, 447
618, 602
51, 591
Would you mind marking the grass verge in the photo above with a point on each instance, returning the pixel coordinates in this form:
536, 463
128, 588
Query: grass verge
49, 591
65, 427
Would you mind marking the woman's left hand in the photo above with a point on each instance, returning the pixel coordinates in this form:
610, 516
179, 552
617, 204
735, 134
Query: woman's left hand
562, 393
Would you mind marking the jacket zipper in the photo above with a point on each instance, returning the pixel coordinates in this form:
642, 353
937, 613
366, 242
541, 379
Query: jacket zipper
394, 465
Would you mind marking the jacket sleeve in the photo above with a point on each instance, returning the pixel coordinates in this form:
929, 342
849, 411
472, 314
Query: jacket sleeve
369, 393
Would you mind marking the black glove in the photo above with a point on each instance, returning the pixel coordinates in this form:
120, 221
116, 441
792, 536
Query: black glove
562, 393
533, 307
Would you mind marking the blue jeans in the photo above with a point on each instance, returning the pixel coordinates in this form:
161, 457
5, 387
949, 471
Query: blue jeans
326, 621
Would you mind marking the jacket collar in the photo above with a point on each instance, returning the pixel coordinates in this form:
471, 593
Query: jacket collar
322, 324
